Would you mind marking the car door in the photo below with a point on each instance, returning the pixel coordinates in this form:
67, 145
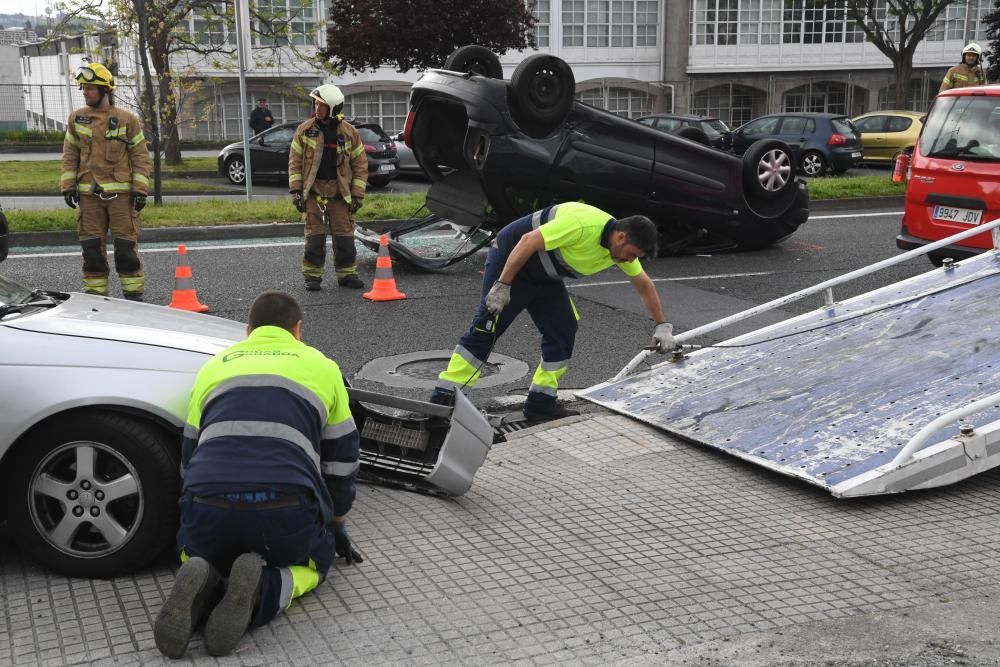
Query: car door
270, 155
755, 130
795, 131
873, 136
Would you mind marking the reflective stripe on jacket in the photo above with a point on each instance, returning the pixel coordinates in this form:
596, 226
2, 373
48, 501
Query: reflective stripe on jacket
961, 76
104, 147
306, 153
271, 413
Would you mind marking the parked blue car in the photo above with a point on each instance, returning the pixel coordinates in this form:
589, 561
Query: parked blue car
820, 142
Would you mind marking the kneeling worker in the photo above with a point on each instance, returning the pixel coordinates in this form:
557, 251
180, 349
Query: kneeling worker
525, 270
269, 461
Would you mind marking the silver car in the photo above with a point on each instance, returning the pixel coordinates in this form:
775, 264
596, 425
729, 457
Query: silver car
93, 399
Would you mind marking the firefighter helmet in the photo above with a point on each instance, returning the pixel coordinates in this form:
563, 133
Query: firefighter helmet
95, 74
329, 95
972, 47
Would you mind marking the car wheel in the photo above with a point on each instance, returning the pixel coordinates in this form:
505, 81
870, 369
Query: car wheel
812, 163
543, 88
768, 169
694, 134
474, 59
236, 170
94, 495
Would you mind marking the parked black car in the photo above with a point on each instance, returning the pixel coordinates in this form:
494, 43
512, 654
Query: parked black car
516, 147
269, 152
703, 129
819, 141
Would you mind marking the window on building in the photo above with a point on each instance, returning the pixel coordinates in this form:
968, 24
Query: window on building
730, 103
388, 108
573, 20
622, 22
603, 23
922, 91
283, 22
750, 21
646, 22
834, 24
618, 100
791, 32
208, 26
770, 21
598, 26
823, 97
542, 11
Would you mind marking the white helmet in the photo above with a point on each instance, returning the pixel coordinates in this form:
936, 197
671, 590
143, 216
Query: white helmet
329, 95
972, 47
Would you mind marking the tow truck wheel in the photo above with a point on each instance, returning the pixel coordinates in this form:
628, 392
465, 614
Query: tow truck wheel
475, 59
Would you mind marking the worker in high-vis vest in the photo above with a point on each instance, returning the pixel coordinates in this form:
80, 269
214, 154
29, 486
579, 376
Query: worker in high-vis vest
269, 461
525, 269
105, 177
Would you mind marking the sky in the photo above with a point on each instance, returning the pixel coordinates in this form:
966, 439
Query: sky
30, 7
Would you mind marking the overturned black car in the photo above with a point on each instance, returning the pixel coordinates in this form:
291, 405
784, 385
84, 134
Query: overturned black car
497, 150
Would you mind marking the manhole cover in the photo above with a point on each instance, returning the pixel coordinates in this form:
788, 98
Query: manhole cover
417, 370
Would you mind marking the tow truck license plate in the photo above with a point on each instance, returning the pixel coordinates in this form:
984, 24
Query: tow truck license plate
966, 216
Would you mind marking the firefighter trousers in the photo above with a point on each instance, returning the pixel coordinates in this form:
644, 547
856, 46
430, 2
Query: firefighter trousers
337, 222
95, 217
551, 309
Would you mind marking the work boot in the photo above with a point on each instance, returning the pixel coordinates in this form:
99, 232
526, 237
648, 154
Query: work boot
354, 282
231, 617
555, 412
313, 284
443, 396
196, 590
133, 296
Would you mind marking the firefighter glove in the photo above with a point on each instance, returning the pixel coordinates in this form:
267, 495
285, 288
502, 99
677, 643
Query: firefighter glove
498, 297
300, 203
138, 201
72, 198
344, 546
663, 338
355, 204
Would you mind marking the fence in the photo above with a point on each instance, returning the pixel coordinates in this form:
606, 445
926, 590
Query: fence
46, 107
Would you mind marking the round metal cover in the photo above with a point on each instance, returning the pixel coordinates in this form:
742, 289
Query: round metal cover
421, 369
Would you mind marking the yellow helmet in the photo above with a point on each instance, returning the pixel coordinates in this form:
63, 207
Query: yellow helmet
95, 74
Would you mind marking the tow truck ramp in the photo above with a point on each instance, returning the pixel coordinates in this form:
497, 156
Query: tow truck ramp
890, 391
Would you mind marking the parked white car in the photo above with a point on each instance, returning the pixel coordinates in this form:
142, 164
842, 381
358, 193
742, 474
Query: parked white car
93, 400
407, 160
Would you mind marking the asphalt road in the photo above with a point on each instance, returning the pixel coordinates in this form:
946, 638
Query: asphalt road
613, 328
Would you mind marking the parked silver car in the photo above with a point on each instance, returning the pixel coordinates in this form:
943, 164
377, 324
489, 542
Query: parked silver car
407, 160
93, 399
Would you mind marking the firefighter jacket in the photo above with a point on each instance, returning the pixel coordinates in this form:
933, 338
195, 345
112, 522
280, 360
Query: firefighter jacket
576, 242
271, 413
104, 147
961, 76
307, 152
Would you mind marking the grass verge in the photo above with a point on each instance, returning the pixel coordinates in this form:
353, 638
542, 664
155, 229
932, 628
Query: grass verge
42, 176
848, 187
218, 212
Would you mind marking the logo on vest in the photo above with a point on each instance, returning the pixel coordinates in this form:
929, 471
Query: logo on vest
233, 356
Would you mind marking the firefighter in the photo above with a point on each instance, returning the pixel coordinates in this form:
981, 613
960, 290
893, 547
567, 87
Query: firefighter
967, 73
327, 177
525, 269
105, 177
269, 460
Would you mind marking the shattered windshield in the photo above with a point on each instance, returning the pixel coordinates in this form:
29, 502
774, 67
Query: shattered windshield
12, 292
966, 127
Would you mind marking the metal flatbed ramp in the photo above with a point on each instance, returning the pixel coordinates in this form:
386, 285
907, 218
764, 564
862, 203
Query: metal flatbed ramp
834, 397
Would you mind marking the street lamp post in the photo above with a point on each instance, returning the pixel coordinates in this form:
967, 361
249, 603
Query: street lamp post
242, 37
149, 99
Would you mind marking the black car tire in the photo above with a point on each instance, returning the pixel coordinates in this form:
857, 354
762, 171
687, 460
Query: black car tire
236, 170
45, 489
543, 88
812, 163
694, 134
768, 169
475, 59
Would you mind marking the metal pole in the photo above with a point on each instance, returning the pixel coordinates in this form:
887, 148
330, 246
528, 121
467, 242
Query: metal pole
242, 35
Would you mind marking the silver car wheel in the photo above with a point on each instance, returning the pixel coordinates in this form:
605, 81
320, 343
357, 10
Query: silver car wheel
85, 499
236, 171
774, 170
812, 164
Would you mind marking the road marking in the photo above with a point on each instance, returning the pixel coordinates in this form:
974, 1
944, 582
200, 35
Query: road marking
853, 215
666, 280
143, 251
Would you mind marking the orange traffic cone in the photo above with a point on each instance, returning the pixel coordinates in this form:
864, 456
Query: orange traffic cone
384, 286
185, 297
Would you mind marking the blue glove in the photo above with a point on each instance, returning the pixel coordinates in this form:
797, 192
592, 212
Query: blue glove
344, 546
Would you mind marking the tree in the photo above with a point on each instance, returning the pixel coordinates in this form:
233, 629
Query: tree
417, 34
896, 28
992, 55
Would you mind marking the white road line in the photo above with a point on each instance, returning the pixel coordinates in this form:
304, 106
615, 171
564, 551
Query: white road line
666, 280
853, 215
143, 251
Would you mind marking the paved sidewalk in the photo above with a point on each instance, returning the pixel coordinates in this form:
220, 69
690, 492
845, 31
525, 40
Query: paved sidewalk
595, 540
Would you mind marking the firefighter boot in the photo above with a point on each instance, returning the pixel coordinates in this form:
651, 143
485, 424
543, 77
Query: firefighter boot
196, 590
344, 257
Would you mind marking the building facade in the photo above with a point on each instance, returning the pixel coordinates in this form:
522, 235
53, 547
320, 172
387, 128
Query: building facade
734, 59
